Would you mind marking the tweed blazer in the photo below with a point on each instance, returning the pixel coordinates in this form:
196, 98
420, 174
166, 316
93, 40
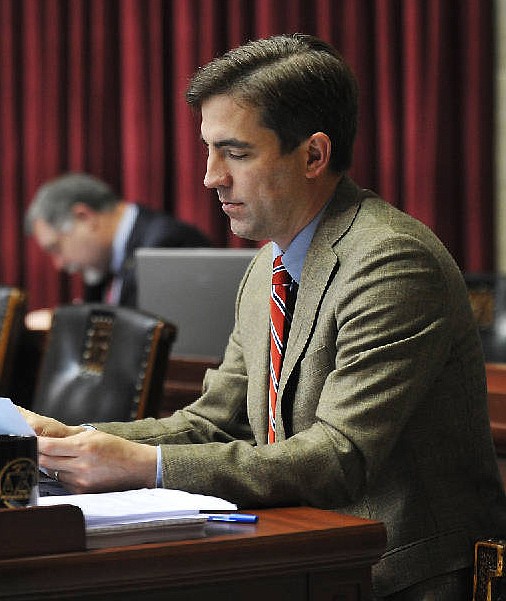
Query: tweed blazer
151, 229
382, 407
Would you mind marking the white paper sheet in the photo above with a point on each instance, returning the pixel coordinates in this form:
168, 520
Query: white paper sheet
143, 505
11, 420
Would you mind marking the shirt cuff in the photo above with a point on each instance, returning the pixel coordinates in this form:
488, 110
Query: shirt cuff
159, 479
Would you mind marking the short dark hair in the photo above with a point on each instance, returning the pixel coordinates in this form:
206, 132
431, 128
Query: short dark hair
299, 83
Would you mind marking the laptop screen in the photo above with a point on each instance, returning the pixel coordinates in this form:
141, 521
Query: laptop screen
195, 289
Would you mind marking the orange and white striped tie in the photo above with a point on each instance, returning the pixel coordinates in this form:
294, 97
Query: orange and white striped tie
280, 321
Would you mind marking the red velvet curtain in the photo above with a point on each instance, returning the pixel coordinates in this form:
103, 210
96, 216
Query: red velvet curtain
98, 85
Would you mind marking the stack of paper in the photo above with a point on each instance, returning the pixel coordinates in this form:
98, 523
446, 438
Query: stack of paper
143, 505
144, 515
140, 516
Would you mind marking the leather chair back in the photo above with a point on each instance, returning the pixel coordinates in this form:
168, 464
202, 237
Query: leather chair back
12, 312
103, 363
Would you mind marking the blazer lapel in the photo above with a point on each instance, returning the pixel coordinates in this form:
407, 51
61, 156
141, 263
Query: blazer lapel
319, 266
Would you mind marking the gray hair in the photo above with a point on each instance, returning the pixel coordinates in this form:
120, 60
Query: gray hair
300, 85
54, 200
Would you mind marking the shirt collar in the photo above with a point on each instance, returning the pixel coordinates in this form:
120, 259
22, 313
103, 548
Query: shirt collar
295, 255
122, 235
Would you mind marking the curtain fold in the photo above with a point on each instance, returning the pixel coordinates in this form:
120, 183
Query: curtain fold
99, 86
477, 138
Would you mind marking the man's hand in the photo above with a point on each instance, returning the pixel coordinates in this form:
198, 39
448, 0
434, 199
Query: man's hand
47, 426
94, 461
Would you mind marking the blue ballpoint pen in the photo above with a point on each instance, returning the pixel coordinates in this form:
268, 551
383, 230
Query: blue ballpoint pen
240, 518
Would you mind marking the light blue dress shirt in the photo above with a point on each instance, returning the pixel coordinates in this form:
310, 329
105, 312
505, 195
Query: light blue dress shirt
295, 255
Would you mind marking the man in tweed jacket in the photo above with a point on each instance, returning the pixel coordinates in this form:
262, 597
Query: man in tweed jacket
381, 409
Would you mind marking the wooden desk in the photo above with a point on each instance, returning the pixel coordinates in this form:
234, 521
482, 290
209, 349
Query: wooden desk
291, 554
183, 382
496, 385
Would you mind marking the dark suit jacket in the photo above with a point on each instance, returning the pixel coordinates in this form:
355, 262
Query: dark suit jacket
382, 402
151, 230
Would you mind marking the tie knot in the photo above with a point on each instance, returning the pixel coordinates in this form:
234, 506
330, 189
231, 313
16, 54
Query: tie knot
280, 275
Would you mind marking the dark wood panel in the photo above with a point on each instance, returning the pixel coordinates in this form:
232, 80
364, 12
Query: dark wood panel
496, 385
183, 383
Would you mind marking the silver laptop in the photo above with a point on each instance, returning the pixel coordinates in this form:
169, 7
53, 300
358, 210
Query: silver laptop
195, 289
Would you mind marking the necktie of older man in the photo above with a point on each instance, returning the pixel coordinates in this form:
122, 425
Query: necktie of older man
281, 318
